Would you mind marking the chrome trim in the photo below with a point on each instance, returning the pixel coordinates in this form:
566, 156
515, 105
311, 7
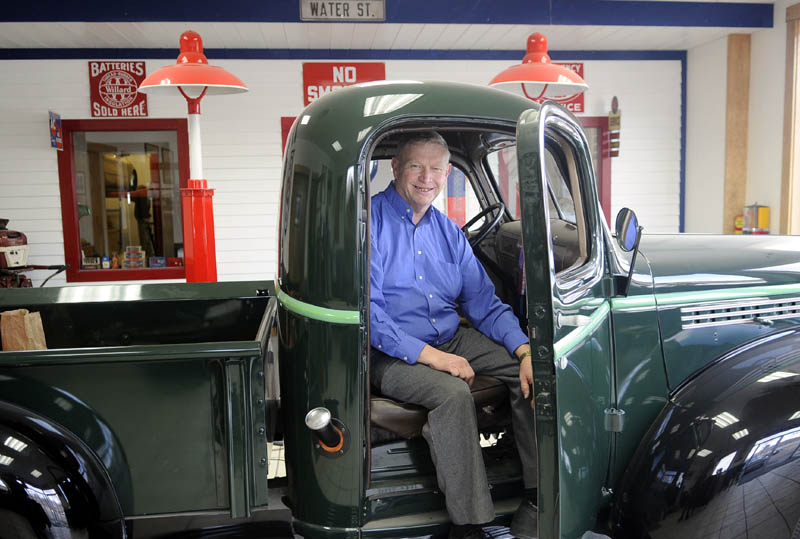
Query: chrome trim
736, 312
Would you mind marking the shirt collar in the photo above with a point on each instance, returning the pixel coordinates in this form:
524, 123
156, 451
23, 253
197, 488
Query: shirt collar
401, 206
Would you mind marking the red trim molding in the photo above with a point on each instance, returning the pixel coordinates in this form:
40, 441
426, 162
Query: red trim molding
69, 209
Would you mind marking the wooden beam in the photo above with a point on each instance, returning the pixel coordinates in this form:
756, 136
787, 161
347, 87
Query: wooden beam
737, 106
793, 12
789, 219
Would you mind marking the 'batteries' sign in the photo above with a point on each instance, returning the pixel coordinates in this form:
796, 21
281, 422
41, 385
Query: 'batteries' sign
573, 104
320, 78
113, 89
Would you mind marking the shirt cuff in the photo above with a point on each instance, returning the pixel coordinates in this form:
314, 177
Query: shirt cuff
409, 350
514, 340
405, 347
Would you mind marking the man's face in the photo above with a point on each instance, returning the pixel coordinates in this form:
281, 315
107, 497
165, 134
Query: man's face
420, 173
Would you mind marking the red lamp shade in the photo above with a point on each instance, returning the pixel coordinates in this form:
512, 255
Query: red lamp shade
536, 77
192, 71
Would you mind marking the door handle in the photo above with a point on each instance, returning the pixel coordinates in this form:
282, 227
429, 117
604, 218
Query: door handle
575, 320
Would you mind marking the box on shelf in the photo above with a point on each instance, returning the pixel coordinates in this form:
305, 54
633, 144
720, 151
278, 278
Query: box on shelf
90, 263
157, 262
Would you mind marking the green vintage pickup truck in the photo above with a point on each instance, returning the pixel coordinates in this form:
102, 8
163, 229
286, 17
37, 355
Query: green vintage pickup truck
667, 368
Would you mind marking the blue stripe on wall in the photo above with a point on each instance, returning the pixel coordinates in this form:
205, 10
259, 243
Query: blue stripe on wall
681, 215
327, 54
540, 12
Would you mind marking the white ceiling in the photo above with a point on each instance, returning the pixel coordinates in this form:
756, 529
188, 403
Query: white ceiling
386, 36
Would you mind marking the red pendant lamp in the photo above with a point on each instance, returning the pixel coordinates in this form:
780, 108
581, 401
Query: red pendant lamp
537, 78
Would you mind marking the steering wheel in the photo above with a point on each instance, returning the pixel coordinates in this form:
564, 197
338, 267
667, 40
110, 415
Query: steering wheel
487, 227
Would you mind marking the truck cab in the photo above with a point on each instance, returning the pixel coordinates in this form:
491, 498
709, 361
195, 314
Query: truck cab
609, 333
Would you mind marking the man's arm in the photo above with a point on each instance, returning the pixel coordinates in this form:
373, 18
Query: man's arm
482, 307
492, 317
523, 353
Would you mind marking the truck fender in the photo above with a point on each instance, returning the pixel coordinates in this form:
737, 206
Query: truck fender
51, 483
71, 413
723, 456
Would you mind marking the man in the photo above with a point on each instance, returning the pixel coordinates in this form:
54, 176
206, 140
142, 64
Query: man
422, 268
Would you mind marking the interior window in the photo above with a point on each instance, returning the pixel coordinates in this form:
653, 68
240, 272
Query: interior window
560, 200
120, 187
503, 167
568, 230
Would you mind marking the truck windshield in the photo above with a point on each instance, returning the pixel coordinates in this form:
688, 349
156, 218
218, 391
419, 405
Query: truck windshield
502, 166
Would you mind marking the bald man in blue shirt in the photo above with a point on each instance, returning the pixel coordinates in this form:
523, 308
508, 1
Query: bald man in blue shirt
422, 269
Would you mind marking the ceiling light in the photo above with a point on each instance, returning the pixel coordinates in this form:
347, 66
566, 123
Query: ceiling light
537, 78
16, 445
740, 434
725, 419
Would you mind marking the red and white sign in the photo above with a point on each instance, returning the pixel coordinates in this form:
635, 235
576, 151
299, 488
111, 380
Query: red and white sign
112, 89
573, 104
320, 78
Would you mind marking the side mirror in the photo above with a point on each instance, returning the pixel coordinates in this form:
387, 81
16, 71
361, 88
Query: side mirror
628, 235
627, 229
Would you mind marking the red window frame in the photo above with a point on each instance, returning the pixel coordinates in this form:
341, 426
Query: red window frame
69, 209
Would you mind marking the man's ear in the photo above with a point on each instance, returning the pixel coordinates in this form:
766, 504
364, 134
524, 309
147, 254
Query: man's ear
395, 164
449, 169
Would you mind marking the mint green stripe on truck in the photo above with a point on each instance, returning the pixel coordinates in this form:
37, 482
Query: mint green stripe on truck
334, 316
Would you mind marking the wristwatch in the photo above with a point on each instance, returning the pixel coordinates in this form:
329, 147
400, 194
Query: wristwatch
524, 354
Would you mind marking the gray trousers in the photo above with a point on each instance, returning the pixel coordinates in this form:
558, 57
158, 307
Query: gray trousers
452, 429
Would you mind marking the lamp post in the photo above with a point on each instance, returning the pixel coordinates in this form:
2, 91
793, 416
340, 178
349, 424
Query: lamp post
195, 78
537, 78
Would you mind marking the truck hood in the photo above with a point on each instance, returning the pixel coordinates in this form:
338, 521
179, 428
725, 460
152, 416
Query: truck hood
695, 262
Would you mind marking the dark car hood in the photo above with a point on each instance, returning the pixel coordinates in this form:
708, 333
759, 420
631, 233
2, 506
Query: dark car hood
695, 262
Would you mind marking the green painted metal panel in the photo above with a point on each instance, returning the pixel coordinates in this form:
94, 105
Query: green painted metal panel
322, 364
697, 262
640, 379
166, 421
149, 393
584, 392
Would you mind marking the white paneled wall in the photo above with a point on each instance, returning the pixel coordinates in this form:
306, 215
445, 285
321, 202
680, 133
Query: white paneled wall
705, 134
766, 114
242, 145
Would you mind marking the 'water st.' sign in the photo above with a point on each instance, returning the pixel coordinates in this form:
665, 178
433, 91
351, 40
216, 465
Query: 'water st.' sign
343, 10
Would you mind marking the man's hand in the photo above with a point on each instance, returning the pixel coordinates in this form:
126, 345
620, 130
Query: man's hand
525, 370
449, 363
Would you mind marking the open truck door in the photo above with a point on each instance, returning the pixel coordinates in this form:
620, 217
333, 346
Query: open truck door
569, 321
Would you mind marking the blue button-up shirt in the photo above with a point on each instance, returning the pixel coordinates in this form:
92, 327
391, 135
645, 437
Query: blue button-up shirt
419, 275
